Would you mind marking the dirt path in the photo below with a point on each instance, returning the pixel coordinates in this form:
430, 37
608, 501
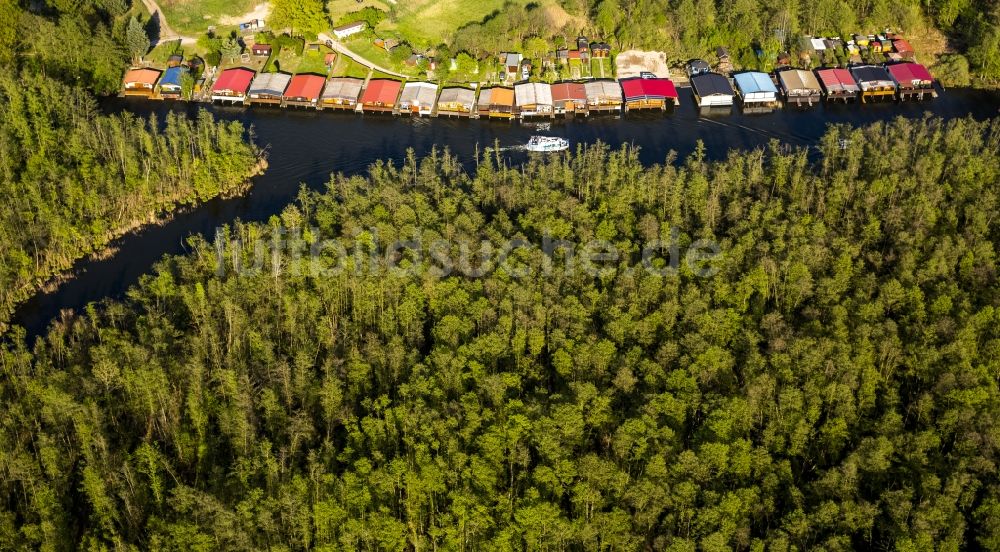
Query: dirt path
166, 33
260, 11
343, 50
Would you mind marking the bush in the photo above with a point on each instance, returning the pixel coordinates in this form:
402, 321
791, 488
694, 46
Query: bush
952, 70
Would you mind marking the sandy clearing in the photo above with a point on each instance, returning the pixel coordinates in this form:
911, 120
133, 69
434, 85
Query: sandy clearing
260, 11
631, 63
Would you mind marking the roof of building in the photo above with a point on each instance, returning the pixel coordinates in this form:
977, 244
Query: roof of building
574, 54
305, 86
172, 76
419, 93
343, 88
383, 91
497, 96
797, 79
349, 26
837, 80
458, 95
271, 84
564, 91
512, 58
236, 79
902, 46
142, 76
648, 88
262, 47
817, 44
910, 73
871, 74
533, 93
710, 84
753, 82
603, 89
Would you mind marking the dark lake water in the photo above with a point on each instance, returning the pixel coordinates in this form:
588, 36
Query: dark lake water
307, 146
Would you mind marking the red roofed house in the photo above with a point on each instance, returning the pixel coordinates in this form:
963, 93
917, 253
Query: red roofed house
304, 90
232, 85
140, 82
903, 48
380, 95
569, 98
649, 93
838, 84
913, 81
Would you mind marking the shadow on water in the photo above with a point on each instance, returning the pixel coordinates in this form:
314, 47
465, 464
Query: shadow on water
307, 146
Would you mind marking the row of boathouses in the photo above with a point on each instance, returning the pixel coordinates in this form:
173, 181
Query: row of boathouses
754, 89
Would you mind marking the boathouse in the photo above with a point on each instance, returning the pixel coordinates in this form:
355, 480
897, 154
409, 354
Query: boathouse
140, 82
304, 90
170, 84
341, 93
533, 99
496, 102
647, 93
456, 101
838, 85
603, 95
380, 95
232, 85
756, 89
268, 88
418, 98
712, 89
913, 81
874, 81
569, 98
800, 87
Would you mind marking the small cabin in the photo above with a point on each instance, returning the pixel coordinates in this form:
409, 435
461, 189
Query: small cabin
456, 101
380, 95
756, 88
496, 103
175, 60
838, 85
304, 90
140, 82
800, 87
340, 93
600, 50
262, 50
349, 29
697, 67
232, 85
711, 90
903, 48
569, 98
533, 99
874, 81
649, 93
268, 88
418, 98
603, 95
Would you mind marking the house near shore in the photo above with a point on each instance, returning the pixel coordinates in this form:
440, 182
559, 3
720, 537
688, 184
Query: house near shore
569, 98
418, 98
838, 85
456, 101
262, 50
712, 90
533, 99
496, 103
800, 87
268, 88
232, 85
603, 95
697, 67
756, 88
913, 80
140, 82
304, 90
380, 95
874, 81
349, 29
646, 93
341, 93
170, 84
511, 62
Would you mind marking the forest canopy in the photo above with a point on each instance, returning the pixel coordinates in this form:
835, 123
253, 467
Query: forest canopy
833, 386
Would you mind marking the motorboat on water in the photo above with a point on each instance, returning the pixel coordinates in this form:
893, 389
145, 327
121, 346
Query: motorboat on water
544, 144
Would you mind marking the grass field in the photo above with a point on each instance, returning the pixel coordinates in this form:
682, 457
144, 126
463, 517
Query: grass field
308, 62
366, 49
347, 67
193, 17
425, 23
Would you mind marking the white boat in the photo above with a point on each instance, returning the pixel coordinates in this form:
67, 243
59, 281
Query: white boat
547, 144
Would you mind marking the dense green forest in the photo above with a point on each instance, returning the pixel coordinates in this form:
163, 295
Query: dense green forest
74, 178
833, 386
